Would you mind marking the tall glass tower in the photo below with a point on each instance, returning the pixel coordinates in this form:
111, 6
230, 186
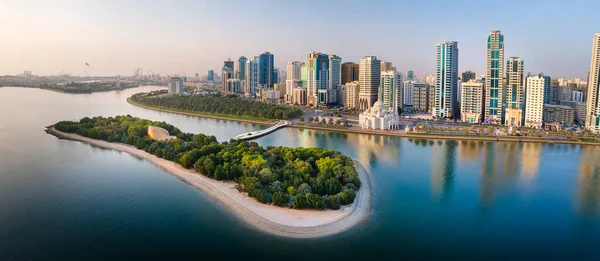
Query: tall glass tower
494, 84
445, 103
593, 88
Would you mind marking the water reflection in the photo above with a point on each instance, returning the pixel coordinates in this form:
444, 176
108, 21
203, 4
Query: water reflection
530, 160
443, 163
588, 198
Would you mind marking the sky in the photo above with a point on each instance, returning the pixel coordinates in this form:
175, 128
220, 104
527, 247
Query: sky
186, 37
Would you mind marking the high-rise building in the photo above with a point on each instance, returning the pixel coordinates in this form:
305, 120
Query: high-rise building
386, 66
241, 68
494, 84
317, 78
335, 78
410, 75
211, 75
254, 87
233, 86
349, 72
468, 76
534, 100
421, 97
266, 75
471, 106
276, 76
391, 90
352, 90
408, 93
227, 73
175, 84
446, 81
304, 77
369, 78
593, 88
294, 70
514, 92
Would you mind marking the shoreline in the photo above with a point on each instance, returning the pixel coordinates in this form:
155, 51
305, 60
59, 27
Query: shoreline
284, 222
383, 133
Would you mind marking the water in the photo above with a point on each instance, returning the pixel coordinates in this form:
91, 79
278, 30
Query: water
433, 199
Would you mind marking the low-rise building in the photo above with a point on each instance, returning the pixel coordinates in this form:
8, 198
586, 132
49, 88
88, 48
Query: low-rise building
580, 110
558, 114
300, 96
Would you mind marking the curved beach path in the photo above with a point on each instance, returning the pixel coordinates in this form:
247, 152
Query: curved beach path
267, 218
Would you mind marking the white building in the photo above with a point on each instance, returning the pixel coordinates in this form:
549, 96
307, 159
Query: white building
273, 95
294, 70
379, 118
369, 73
409, 93
471, 106
593, 88
391, 90
352, 90
534, 100
175, 85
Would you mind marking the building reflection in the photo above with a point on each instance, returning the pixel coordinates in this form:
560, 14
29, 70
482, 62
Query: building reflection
499, 169
443, 164
468, 151
588, 198
530, 160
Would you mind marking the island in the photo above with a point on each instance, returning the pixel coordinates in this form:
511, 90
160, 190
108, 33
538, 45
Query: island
291, 192
216, 106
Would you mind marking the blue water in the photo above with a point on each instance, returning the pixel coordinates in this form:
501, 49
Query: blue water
450, 200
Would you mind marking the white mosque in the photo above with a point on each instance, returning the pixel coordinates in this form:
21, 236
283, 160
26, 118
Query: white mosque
379, 118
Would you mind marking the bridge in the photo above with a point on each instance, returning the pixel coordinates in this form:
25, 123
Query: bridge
260, 133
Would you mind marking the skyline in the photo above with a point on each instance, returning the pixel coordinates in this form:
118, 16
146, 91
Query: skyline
114, 37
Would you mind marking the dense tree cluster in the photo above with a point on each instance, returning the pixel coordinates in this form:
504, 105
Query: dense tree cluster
303, 178
75, 87
229, 105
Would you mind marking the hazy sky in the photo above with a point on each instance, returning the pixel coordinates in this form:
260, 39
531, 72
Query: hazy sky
185, 37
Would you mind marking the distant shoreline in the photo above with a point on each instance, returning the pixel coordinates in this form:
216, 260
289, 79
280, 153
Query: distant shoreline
271, 219
382, 133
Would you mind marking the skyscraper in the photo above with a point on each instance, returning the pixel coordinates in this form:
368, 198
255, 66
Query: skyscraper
318, 65
335, 78
493, 78
266, 70
593, 88
391, 90
467, 76
446, 81
349, 72
227, 73
514, 92
254, 87
369, 78
211, 75
534, 99
294, 70
410, 75
241, 68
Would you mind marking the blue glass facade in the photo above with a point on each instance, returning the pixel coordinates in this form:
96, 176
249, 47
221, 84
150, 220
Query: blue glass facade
266, 69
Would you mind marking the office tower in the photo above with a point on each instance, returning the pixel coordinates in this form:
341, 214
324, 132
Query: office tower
233, 86
391, 90
352, 90
227, 73
349, 72
335, 78
446, 81
318, 72
386, 66
304, 77
494, 84
514, 92
471, 106
593, 85
175, 85
211, 75
468, 76
253, 86
294, 70
534, 100
421, 97
276, 76
408, 93
369, 78
410, 75
266, 75
241, 68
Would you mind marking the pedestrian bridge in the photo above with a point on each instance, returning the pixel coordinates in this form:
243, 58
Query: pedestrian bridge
256, 134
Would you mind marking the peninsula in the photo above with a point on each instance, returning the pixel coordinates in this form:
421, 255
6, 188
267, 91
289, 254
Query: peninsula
308, 192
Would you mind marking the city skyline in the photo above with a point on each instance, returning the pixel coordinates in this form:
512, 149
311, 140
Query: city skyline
114, 37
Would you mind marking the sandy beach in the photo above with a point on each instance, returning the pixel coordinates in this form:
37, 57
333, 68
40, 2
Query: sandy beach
275, 220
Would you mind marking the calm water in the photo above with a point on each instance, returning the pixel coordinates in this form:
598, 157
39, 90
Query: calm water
433, 199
